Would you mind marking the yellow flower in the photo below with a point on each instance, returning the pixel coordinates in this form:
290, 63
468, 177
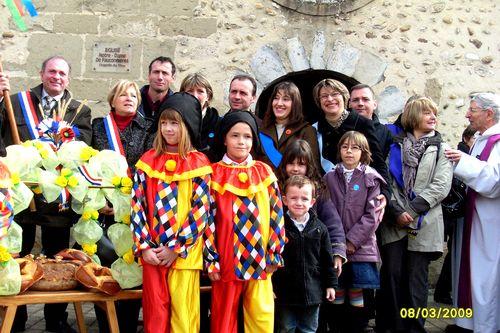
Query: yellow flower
126, 219
87, 153
127, 182
73, 181
128, 257
87, 215
38, 145
243, 177
65, 172
116, 180
27, 144
90, 249
4, 254
44, 153
90, 214
126, 190
61, 181
14, 177
170, 165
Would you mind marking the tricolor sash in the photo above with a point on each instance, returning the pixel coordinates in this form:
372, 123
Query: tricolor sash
29, 113
114, 141
272, 153
88, 177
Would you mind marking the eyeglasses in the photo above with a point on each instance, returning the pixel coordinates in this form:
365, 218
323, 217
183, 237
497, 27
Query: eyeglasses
353, 148
332, 95
474, 110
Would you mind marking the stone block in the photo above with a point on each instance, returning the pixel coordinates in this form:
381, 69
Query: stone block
169, 7
76, 23
297, 55
343, 58
194, 27
153, 48
99, 109
111, 6
132, 25
370, 68
42, 22
134, 61
267, 65
54, 6
90, 89
433, 89
23, 83
391, 102
317, 51
42, 46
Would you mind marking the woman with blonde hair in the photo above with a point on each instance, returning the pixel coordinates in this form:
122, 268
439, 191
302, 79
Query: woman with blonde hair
125, 131
414, 232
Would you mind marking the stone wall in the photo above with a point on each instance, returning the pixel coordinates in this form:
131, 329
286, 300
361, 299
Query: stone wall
445, 49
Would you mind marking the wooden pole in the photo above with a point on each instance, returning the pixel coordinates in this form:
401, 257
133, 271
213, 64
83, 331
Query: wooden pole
10, 114
13, 125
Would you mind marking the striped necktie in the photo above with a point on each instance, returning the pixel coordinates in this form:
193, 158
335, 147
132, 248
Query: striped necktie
47, 106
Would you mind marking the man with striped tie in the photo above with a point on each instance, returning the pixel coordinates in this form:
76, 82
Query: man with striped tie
30, 108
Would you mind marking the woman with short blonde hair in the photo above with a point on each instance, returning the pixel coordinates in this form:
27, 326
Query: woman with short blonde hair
413, 235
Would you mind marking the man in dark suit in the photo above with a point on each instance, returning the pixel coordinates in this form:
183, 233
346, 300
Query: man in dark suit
30, 108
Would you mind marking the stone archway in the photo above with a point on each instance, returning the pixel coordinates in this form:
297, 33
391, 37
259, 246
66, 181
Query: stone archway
323, 7
273, 63
305, 81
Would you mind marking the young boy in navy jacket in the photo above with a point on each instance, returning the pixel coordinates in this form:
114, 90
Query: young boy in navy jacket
308, 276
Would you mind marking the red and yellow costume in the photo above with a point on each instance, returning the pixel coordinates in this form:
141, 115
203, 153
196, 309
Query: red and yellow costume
170, 207
248, 234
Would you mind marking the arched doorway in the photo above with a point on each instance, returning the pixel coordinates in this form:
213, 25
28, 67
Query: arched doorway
305, 81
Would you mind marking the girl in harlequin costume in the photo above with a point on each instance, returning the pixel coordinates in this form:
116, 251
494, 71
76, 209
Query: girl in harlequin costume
244, 244
170, 210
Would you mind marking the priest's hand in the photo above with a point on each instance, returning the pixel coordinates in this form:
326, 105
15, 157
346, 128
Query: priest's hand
453, 155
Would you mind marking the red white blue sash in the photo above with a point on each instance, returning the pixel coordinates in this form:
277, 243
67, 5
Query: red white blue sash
29, 113
64, 197
88, 177
114, 141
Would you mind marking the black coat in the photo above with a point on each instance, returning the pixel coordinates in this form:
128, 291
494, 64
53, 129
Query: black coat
82, 120
308, 267
208, 127
145, 110
46, 213
384, 136
136, 140
354, 122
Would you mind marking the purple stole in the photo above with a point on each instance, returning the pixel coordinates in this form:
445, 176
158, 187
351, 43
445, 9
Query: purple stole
464, 279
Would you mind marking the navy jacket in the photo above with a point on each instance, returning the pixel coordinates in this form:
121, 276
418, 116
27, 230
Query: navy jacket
308, 267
